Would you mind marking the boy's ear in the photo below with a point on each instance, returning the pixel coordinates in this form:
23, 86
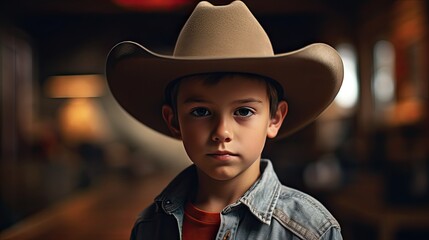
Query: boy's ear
277, 120
171, 121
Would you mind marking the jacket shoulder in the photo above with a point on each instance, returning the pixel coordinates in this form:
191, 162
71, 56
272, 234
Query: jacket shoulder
303, 214
144, 216
148, 213
153, 223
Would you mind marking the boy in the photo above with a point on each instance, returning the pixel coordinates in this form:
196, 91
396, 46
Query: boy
223, 92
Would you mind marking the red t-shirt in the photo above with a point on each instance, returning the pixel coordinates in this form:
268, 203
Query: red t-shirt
199, 224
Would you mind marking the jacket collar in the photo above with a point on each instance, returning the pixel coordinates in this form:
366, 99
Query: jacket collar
260, 199
178, 191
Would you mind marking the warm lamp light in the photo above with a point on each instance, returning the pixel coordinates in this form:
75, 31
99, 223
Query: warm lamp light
75, 86
80, 118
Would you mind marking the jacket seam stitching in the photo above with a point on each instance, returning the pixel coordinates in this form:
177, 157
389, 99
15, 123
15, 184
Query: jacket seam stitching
293, 226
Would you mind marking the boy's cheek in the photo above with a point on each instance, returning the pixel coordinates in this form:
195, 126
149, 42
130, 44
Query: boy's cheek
191, 130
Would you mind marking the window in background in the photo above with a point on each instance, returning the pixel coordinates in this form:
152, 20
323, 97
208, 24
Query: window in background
383, 82
349, 92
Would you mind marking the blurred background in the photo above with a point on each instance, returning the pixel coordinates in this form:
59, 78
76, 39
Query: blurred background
74, 165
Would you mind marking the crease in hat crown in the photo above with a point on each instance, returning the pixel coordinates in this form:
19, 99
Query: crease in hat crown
229, 31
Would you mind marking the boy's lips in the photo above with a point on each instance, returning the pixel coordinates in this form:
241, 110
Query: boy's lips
223, 155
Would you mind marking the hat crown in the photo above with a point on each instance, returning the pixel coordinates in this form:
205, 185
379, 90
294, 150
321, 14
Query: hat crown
222, 32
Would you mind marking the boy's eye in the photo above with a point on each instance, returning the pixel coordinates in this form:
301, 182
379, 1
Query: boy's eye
244, 112
200, 112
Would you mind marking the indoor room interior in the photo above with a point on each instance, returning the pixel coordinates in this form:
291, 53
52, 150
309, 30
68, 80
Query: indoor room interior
75, 165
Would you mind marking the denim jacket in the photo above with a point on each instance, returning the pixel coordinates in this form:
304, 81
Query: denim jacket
268, 210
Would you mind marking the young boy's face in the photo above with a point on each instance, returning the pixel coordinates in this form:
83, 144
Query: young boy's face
224, 125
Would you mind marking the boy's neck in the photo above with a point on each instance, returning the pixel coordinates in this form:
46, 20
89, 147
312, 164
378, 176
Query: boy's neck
214, 195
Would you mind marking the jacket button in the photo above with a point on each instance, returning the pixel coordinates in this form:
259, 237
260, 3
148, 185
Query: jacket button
227, 235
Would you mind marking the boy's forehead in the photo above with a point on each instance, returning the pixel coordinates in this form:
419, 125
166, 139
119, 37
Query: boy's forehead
224, 82
232, 80
237, 85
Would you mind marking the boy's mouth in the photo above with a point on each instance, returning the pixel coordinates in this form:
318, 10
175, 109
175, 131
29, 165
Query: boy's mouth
222, 154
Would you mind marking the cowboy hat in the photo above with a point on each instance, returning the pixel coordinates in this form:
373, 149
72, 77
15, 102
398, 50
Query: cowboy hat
224, 39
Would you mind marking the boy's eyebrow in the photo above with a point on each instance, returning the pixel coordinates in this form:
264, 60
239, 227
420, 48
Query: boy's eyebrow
248, 100
196, 99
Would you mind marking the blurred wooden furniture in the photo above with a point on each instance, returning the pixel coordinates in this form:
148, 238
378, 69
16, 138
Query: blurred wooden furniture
107, 211
363, 203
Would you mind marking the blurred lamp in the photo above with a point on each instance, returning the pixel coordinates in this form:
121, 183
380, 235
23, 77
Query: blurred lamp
75, 86
81, 118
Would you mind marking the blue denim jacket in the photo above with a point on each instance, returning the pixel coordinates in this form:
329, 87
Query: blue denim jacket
268, 210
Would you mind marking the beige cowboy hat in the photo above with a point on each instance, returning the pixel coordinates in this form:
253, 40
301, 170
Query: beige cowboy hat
224, 39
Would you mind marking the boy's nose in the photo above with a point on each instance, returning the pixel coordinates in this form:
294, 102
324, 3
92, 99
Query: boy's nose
222, 131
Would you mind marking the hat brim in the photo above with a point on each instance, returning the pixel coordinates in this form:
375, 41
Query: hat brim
311, 78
